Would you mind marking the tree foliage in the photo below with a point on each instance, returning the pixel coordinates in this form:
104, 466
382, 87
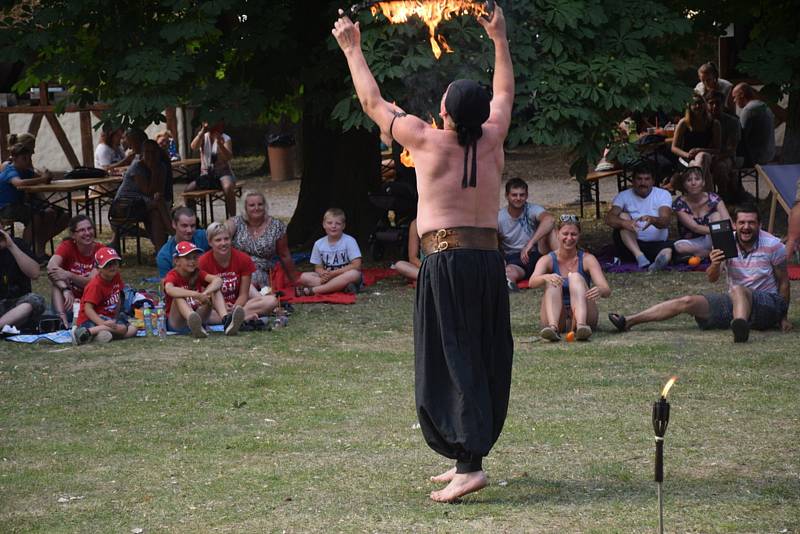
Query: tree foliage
580, 67
142, 57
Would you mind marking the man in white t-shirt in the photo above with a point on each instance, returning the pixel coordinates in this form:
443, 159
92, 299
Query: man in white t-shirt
640, 217
526, 232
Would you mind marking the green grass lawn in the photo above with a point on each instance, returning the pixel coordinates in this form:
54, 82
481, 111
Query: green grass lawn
312, 428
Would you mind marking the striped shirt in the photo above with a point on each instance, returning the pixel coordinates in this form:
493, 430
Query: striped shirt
756, 270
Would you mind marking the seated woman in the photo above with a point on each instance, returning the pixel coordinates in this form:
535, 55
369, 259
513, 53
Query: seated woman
698, 138
141, 197
570, 301
216, 153
167, 143
235, 268
410, 268
109, 150
72, 265
34, 212
255, 233
695, 209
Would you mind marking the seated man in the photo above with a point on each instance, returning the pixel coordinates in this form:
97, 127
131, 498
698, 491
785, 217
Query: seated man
18, 306
640, 217
184, 222
758, 286
723, 164
758, 126
526, 233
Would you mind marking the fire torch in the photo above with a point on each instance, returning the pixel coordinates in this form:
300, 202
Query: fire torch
660, 422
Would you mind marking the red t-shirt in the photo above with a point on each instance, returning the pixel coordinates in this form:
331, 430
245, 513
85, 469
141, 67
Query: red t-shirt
76, 263
104, 296
178, 281
241, 264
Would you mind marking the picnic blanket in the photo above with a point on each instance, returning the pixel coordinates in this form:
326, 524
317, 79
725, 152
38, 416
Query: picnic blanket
280, 282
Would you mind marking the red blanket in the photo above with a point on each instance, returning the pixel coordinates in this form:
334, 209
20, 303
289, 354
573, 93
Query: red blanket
280, 282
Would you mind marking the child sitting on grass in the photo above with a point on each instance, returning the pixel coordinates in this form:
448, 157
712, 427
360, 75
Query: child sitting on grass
336, 258
192, 293
100, 316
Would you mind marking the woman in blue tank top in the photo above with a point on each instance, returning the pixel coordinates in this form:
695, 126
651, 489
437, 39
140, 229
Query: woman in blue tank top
572, 281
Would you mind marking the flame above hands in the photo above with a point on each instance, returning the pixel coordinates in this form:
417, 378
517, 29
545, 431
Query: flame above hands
431, 12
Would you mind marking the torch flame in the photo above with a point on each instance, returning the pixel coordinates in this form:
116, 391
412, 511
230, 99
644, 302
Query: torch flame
431, 12
668, 385
405, 155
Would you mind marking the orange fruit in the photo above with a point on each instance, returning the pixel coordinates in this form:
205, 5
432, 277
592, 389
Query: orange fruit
694, 261
570, 336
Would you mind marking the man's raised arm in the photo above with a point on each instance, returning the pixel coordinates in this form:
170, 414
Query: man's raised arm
348, 35
503, 81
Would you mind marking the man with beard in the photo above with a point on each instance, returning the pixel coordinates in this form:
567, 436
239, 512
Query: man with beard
462, 332
758, 286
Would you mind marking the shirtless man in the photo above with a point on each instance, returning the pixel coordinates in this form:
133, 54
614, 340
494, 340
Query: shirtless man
462, 331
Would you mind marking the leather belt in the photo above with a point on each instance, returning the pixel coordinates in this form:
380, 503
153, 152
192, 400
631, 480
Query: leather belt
458, 237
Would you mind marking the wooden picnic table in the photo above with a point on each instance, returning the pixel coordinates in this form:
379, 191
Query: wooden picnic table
592, 185
61, 191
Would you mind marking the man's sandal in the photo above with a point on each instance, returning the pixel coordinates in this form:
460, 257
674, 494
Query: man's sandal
618, 321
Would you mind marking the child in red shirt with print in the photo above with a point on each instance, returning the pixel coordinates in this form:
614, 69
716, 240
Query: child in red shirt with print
192, 294
100, 318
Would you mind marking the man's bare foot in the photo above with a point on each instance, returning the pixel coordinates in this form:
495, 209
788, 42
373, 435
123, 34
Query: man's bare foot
447, 476
462, 484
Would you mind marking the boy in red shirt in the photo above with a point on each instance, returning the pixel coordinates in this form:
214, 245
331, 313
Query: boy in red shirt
192, 293
100, 318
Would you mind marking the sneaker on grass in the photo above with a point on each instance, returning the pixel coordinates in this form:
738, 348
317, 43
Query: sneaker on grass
196, 325
233, 321
80, 335
104, 336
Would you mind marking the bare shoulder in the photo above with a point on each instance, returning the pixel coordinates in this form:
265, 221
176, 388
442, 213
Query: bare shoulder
409, 130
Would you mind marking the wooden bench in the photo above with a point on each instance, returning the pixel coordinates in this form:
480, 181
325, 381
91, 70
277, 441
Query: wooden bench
205, 199
592, 186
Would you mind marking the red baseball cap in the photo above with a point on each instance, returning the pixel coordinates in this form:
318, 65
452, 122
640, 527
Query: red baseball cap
105, 255
184, 248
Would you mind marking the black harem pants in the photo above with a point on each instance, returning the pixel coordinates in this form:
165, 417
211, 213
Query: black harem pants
464, 351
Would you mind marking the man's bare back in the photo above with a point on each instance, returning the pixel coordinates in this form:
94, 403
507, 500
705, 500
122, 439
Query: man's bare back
439, 162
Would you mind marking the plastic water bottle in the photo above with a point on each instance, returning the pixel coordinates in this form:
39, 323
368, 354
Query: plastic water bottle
148, 322
161, 321
76, 310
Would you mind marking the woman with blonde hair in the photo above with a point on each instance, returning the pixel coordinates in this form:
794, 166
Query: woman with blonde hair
261, 236
572, 281
236, 270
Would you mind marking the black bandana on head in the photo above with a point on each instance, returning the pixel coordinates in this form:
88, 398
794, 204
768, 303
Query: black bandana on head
467, 102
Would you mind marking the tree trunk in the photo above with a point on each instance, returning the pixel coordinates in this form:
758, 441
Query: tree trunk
791, 139
339, 170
